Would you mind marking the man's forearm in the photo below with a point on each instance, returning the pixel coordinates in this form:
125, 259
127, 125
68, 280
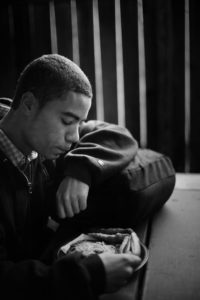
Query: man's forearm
103, 150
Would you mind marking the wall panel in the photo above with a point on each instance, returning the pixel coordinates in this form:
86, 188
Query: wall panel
130, 56
195, 85
26, 34
107, 34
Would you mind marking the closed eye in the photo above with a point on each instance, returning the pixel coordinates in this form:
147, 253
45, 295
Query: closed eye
72, 121
64, 122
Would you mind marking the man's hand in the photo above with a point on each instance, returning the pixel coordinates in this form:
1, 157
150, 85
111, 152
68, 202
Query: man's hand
71, 197
119, 268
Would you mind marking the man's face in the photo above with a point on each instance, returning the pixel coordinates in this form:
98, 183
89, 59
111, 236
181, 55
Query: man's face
53, 128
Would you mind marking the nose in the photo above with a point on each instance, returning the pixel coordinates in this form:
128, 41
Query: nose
73, 135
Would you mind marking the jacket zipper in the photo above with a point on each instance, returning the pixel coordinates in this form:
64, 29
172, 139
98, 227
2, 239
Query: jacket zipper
46, 174
29, 182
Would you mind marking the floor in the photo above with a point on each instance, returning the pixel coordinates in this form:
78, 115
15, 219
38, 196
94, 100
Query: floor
173, 240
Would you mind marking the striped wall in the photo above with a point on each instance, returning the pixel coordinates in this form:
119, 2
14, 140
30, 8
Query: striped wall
141, 56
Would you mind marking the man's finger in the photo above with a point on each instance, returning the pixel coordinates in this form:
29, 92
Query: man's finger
83, 202
75, 206
68, 208
134, 260
64, 208
60, 210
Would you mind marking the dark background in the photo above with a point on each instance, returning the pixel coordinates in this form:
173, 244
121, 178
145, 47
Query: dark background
25, 34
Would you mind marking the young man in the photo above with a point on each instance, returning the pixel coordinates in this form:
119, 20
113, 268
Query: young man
44, 138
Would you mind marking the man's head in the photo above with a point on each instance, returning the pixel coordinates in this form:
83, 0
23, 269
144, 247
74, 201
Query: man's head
50, 76
53, 96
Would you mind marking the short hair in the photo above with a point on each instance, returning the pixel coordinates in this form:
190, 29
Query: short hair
49, 76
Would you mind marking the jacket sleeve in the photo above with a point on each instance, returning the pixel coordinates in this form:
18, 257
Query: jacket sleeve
103, 150
72, 277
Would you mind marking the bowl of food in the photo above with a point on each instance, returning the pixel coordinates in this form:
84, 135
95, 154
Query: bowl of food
111, 240
144, 256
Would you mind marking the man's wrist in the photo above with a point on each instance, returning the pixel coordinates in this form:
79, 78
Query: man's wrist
96, 269
78, 172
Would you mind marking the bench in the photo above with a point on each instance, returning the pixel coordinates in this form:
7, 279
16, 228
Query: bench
173, 239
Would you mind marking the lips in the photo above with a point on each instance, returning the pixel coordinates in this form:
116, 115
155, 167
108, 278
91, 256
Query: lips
63, 150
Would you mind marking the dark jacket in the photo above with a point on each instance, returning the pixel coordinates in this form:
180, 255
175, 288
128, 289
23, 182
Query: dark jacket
103, 150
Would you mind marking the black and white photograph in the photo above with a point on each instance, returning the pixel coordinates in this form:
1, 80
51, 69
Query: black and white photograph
99, 150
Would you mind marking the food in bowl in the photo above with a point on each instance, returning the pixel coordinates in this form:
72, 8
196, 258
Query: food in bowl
88, 247
110, 240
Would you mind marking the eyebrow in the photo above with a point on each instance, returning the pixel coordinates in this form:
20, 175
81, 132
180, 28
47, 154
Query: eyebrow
70, 114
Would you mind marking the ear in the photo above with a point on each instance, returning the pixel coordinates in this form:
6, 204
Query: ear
29, 103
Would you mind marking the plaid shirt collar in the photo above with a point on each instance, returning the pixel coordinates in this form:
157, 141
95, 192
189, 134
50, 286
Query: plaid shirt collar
14, 154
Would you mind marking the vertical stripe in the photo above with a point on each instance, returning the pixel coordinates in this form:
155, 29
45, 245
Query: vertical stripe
32, 27
98, 63
12, 36
53, 32
142, 76
11, 24
187, 88
119, 65
75, 40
